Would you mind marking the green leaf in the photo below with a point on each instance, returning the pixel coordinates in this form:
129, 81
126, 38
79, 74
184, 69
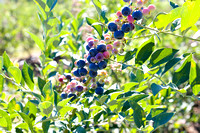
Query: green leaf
138, 97
48, 92
170, 64
161, 56
27, 120
27, 75
173, 5
138, 114
1, 83
37, 40
51, 4
1, 63
164, 19
45, 126
156, 88
6, 61
80, 130
5, 120
16, 73
41, 84
97, 26
162, 119
41, 7
176, 24
127, 87
181, 75
46, 108
103, 99
129, 55
154, 112
190, 11
194, 77
144, 51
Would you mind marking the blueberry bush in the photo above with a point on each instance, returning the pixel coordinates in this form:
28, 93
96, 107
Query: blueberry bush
106, 73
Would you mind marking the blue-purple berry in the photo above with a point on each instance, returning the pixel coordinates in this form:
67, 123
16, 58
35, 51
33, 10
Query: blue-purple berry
92, 74
93, 67
99, 90
93, 52
79, 88
82, 72
63, 95
88, 58
126, 0
112, 26
102, 65
126, 11
87, 47
126, 28
76, 73
101, 47
81, 63
119, 34
137, 14
100, 85
73, 96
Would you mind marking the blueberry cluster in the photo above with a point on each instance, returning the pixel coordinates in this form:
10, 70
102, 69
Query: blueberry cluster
89, 72
124, 23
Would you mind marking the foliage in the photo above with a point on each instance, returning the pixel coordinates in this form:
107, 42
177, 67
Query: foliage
146, 89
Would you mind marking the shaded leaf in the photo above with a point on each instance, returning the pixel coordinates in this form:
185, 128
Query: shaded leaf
170, 64
144, 51
155, 88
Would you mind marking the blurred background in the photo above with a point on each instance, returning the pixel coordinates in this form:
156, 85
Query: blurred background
19, 16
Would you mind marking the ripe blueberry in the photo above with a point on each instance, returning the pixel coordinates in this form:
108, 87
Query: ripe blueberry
76, 73
82, 71
81, 63
68, 76
112, 26
93, 67
99, 90
101, 47
126, 11
92, 73
63, 95
102, 65
126, 28
100, 85
119, 34
99, 57
137, 14
93, 52
79, 88
126, 0
89, 59
73, 96
87, 47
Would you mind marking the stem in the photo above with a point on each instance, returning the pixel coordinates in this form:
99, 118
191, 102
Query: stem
169, 33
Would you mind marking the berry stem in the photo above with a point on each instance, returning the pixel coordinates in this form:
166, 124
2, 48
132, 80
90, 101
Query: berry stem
165, 32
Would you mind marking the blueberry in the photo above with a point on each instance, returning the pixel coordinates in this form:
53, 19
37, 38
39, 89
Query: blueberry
99, 90
92, 74
119, 34
126, 0
100, 85
81, 63
102, 65
137, 14
88, 59
112, 26
87, 47
63, 95
126, 28
76, 73
93, 52
82, 71
93, 67
101, 48
79, 88
84, 80
68, 76
126, 11
72, 95
132, 26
